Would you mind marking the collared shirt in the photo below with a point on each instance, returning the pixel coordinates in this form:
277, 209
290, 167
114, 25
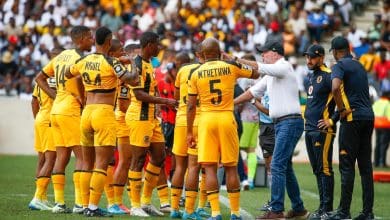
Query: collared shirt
320, 103
354, 88
280, 82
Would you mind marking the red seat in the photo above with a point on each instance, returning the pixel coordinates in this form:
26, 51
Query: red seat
381, 176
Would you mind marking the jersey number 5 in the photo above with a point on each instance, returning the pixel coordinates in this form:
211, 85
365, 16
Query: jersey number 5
217, 91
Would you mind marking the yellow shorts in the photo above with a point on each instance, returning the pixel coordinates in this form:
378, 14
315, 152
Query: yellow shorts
98, 126
180, 147
122, 130
142, 133
66, 130
43, 137
218, 139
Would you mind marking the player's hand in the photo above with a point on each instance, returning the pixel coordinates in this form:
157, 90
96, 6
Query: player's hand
171, 103
324, 124
191, 143
125, 59
345, 113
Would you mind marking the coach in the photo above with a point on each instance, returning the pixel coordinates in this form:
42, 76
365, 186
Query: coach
350, 91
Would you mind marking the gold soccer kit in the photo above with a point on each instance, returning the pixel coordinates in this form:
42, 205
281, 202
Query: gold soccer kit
43, 137
180, 137
213, 82
100, 74
140, 116
66, 110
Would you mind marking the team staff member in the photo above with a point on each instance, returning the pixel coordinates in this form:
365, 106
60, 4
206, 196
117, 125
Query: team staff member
213, 83
145, 130
320, 119
350, 91
65, 115
100, 74
280, 83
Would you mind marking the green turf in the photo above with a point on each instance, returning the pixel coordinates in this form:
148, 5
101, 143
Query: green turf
17, 188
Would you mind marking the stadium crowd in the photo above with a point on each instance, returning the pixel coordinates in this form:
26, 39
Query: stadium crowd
32, 30
29, 29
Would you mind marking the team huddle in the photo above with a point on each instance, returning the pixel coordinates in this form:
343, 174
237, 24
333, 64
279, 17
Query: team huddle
90, 104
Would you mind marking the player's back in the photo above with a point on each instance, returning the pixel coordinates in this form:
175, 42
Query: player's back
214, 83
181, 84
65, 102
98, 72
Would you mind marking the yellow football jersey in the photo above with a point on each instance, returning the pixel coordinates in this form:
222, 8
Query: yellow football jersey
181, 84
65, 102
138, 110
214, 82
100, 73
45, 104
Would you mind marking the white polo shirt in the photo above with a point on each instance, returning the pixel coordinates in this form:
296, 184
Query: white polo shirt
282, 87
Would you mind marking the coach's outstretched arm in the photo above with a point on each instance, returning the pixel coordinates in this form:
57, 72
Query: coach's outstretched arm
41, 80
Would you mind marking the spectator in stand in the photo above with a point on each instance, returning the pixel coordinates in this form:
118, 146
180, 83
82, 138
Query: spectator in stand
355, 36
274, 34
370, 59
331, 9
385, 36
382, 68
374, 31
381, 109
8, 72
317, 22
11, 29
91, 20
298, 24
345, 7
110, 20
289, 40
48, 15
75, 18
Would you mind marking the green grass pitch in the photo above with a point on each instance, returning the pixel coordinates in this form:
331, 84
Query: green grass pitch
17, 188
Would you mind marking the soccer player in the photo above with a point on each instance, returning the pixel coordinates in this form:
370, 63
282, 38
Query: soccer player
100, 74
123, 143
213, 82
65, 115
145, 130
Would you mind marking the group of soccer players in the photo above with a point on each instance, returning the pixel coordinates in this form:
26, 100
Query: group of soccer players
89, 104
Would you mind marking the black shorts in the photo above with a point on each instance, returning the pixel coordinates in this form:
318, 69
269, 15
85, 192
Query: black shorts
267, 139
168, 131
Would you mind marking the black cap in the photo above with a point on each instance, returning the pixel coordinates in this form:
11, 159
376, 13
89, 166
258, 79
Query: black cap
271, 45
315, 50
339, 43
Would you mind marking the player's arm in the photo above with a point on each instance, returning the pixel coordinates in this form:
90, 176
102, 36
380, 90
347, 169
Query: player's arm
261, 107
123, 98
229, 57
34, 106
337, 76
81, 91
41, 80
191, 112
129, 77
256, 91
142, 96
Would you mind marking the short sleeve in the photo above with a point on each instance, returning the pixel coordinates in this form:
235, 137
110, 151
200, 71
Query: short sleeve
337, 72
118, 67
48, 70
192, 85
35, 92
74, 69
124, 92
241, 70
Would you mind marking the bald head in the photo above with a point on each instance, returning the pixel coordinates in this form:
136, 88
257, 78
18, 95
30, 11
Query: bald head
116, 48
210, 48
182, 58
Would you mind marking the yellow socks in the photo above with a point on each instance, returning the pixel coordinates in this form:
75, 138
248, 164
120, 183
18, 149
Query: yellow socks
108, 187
98, 181
163, 194
190, 200
128, 189
135, 188
202, 189
118, 193
58, 180
175, 196
151, 179
41, 186
85, 181
234, 199
213, 197
77, 192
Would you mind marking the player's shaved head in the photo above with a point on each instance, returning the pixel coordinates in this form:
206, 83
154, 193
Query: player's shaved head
115, 45
102, 34
182, 58
78, 32
210, 48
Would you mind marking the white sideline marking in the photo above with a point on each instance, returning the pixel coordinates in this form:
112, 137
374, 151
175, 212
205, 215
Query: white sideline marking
310, 194
245, 215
